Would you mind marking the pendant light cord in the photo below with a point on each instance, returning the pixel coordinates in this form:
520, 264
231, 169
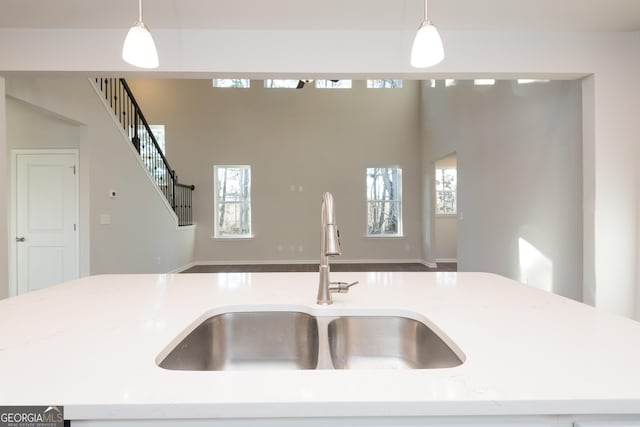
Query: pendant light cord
426, 19
140, 10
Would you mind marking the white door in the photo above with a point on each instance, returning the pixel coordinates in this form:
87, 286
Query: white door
46, 220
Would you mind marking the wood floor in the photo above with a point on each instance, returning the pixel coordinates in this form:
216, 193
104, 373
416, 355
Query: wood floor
280, 268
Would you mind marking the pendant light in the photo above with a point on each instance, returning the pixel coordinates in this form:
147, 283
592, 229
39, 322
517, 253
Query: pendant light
139, 48
427, 47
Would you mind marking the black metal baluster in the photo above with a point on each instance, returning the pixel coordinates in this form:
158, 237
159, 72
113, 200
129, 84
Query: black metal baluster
121, 101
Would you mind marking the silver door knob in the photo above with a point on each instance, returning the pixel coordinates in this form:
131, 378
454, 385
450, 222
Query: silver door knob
19, 239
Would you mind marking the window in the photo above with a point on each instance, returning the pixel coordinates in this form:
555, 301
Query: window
157, 131
333, 84
277, 84
384, 84
232, 83
446, 187
149, 154
232, 201
529, 81
484, 82
384, 201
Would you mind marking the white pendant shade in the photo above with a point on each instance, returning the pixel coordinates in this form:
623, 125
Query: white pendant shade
427, 47
139, 48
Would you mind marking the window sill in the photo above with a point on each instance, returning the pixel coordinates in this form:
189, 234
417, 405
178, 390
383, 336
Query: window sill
446, 215
385, 236
232, 238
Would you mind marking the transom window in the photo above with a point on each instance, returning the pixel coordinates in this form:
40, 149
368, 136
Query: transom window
384, 84
333, 84
278, 84
232, 201
446, 187
384, 201
232, 83
484, 82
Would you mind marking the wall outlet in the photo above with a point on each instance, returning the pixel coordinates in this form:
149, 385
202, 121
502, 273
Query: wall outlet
105, 219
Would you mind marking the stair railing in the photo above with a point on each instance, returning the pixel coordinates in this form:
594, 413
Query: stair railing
119, 97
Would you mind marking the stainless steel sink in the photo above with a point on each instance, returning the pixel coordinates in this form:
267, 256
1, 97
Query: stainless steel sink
387, 342
248, 340
259, 340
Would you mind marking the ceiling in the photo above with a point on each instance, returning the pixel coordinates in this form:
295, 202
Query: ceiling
348, 15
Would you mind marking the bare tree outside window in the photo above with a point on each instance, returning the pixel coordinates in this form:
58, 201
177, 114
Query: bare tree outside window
233, 201
384, 201
446, 188
333, 84
232, 83
281, 84
384, 84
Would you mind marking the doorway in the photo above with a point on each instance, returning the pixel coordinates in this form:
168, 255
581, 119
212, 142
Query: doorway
44, 222
446, 209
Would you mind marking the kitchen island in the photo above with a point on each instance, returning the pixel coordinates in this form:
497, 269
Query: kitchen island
530, 358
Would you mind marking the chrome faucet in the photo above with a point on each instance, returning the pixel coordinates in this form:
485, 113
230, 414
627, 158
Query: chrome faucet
329, 247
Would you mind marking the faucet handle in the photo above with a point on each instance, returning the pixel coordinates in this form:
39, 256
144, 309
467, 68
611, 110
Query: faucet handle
342, 287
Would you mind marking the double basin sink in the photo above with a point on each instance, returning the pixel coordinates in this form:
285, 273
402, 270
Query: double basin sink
259, 340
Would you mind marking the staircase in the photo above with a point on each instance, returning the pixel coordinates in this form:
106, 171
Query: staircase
126, 110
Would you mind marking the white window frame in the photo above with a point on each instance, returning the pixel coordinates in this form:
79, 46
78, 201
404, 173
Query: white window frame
454, 191
157, 131
398, 200
217, 234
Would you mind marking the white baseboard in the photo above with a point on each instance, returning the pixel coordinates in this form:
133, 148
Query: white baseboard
183, 268
374, 261
446, 260
254, 262
306, 261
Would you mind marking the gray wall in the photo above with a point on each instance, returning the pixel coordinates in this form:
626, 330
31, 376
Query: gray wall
30, 127
312, 139
143, 236
4, 196
518, 153
519, 176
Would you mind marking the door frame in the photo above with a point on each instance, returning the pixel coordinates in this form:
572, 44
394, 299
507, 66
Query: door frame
457, 216
13, 208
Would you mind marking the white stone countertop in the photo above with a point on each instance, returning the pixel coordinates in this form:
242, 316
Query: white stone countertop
92, 344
